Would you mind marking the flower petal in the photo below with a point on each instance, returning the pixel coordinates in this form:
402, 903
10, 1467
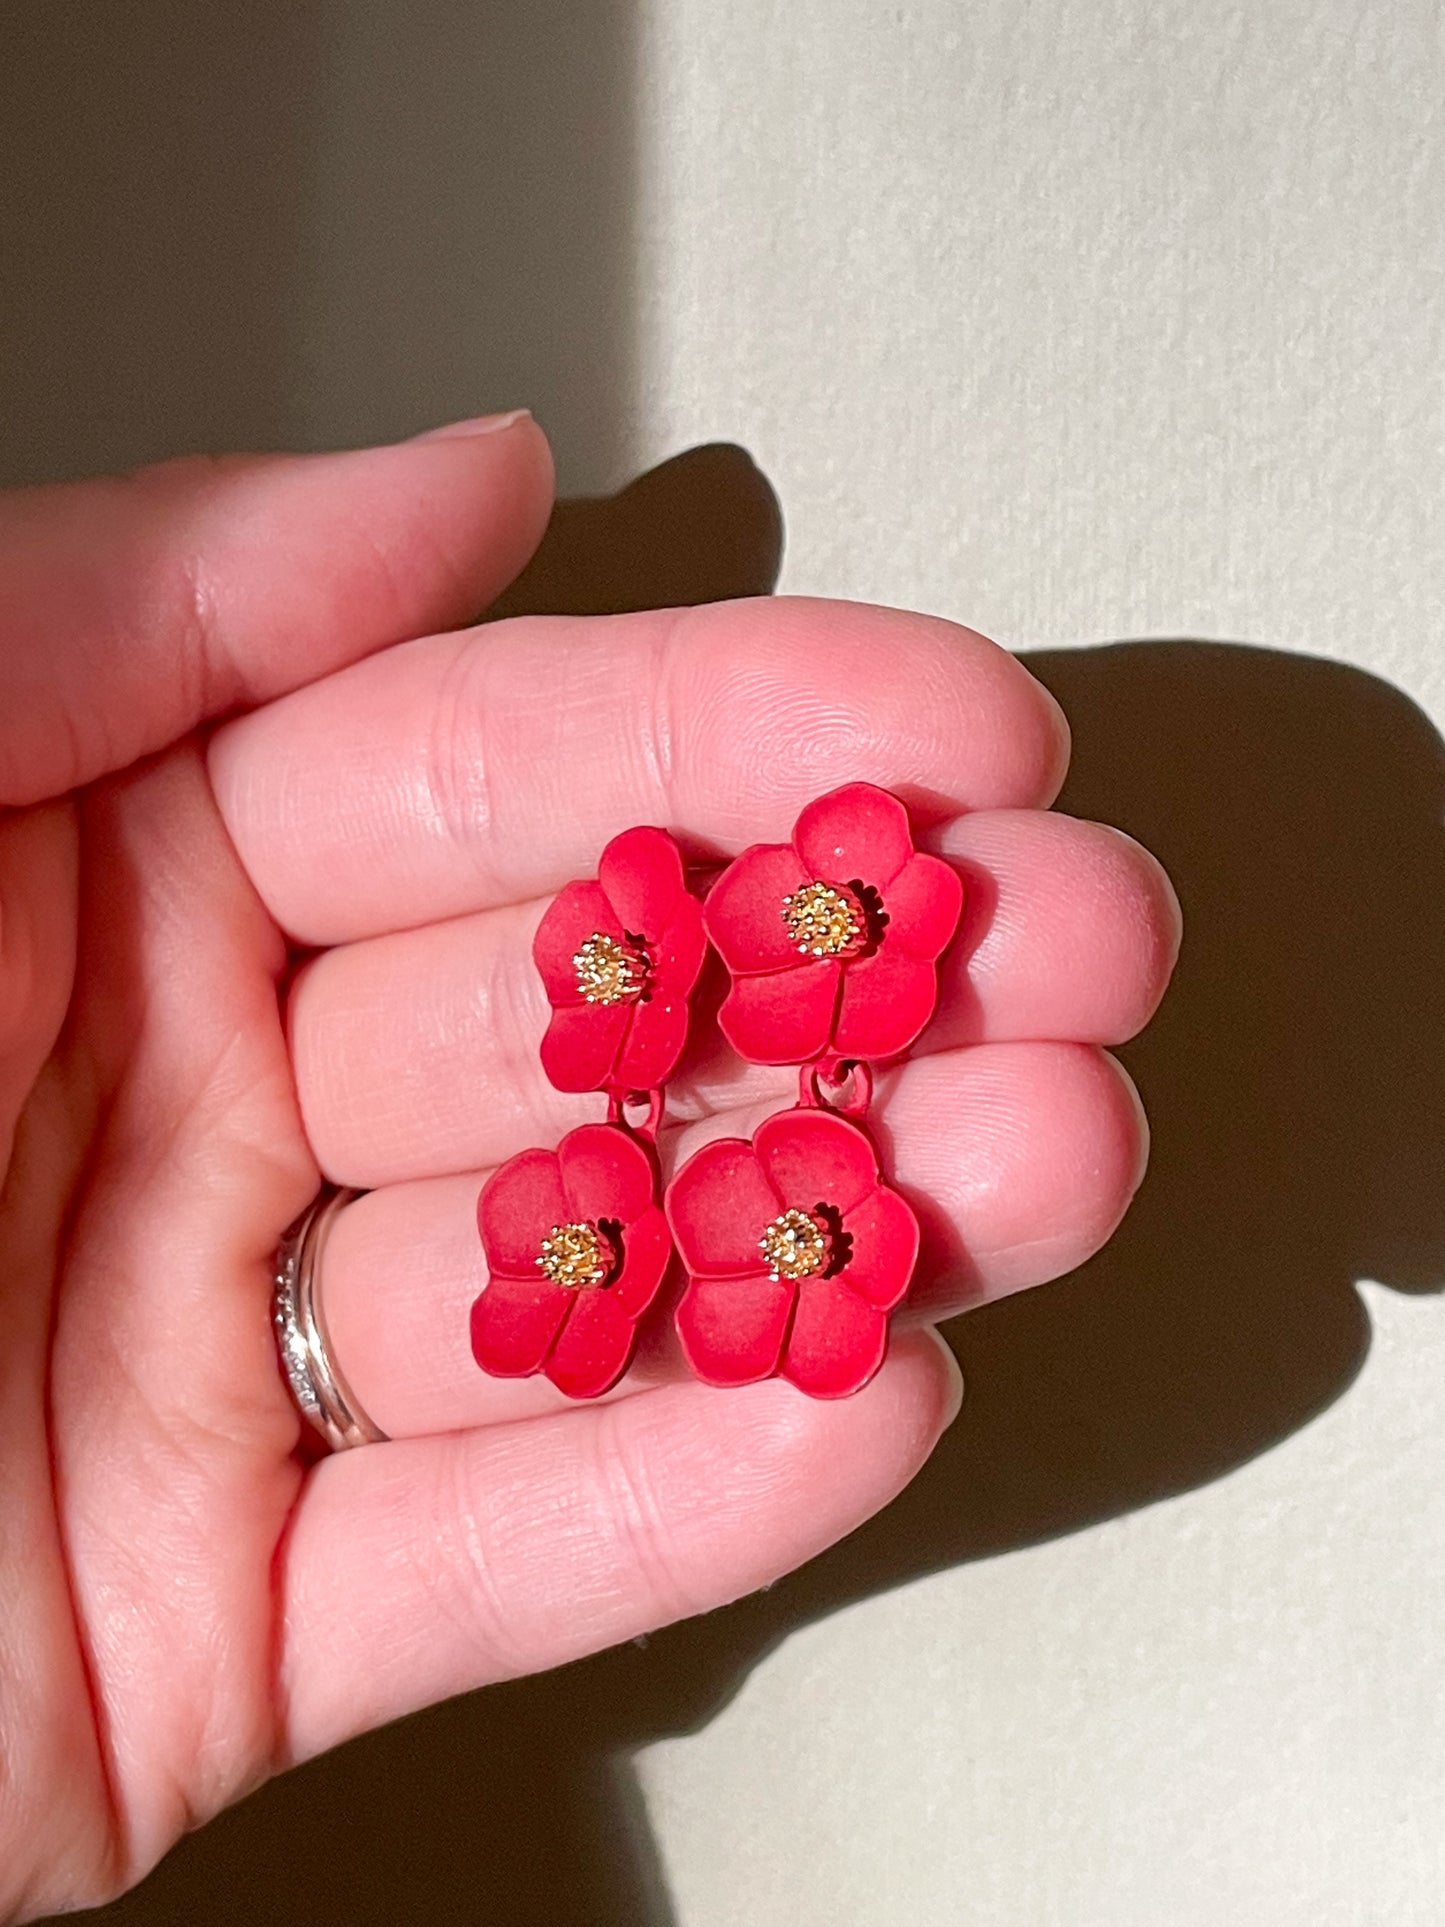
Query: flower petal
658, 1033
646, 1254
732, 1328
884, 1248
654, 1042
578, 912
816, 1157
641, 873
677, 954
513, 1323
579, 1051
858, 832
594, 1348
744, 909
888, 998
836, 1343
606, 1173
520, 1203
923, 904
783, 1018
719, 1205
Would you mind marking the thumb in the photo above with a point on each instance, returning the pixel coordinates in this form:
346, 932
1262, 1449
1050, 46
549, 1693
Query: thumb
133, 608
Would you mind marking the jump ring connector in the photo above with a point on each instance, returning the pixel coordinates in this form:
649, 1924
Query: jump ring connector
851, 1083
618, 1101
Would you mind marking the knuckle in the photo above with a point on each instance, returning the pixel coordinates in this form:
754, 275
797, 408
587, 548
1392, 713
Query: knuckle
457, 773
645, 1537
475, 1600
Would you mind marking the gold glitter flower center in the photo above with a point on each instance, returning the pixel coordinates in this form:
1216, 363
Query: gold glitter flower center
795, 1245
609, 972
825, 920
576, 1256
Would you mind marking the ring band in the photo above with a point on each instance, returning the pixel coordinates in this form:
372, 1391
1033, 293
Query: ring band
320, 1391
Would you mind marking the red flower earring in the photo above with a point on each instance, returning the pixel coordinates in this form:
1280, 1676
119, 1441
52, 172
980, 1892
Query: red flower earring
619, 958
795, 1248
576, 1242
833, 940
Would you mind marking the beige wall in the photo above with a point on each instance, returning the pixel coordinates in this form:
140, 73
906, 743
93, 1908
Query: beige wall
1086, 322
1090, 324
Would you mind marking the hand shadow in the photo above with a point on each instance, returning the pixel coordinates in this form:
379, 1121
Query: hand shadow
1294, 1081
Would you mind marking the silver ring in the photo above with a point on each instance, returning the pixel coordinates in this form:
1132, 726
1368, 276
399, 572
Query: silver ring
320, 1391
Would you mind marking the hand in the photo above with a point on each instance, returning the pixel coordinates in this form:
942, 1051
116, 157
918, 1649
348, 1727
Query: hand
188, 1608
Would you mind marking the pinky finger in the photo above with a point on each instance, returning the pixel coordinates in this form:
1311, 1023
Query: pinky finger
427, 1567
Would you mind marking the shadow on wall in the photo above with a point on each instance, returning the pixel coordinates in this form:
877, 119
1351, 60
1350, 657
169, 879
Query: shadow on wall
1293, 1079
152, 230
291, 223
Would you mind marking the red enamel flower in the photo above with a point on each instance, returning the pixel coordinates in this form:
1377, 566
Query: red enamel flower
833, 940
619, 957
796, 1253
577, 1247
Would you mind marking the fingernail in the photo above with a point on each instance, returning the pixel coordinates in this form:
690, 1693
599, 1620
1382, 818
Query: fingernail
1063, 738
1141, 1119
955, 1390
477, 425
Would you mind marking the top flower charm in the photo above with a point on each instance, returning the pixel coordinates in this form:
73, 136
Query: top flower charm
576, 1247
833, 940
796, 1252
619, 958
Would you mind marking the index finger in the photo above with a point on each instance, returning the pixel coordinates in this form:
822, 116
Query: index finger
468, 771
132, 608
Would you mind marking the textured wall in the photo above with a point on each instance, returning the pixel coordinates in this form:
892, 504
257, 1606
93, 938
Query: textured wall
1086, 322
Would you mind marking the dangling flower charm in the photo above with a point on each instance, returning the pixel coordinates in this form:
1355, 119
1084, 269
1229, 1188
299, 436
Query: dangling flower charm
576, 1242
576, 1247
796, 1252
833, 940
619, 958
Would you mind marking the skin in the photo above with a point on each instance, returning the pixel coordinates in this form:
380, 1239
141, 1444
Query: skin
189, 1603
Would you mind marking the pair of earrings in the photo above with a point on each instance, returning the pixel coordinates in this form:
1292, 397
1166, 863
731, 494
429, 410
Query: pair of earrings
795, 1248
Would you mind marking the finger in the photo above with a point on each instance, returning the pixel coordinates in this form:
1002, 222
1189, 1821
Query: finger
1019, 1158
171, 1435
416, 1053
134, 607
424, 1568
477, 770
39, 863
1070, 930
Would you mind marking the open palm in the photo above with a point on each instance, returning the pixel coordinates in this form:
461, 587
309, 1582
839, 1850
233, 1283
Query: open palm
189, 1604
